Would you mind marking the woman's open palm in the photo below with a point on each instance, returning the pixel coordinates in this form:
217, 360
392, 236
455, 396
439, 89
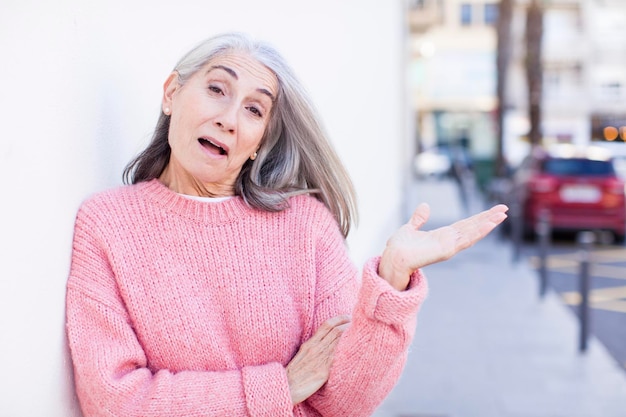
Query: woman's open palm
410, 248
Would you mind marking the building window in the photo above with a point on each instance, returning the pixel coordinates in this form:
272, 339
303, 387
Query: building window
417, 4
612, 90
466, 14
491, 13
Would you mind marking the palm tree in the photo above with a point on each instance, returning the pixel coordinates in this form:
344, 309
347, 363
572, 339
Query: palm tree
503, 57
534, 69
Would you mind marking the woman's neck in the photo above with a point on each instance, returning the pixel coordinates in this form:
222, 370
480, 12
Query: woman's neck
182, 182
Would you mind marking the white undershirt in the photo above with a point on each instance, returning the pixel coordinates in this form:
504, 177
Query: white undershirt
206, 199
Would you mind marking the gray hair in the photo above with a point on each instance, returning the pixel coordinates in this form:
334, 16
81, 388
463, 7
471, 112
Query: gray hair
295, 156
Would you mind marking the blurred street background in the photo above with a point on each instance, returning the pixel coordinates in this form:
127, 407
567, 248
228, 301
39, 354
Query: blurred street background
491, 79
490, 344
521, 102
495, 83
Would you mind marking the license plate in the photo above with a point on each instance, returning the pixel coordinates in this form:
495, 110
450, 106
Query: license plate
580, 194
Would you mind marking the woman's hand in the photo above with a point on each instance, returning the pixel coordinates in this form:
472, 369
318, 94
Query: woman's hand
410, 248
310, 368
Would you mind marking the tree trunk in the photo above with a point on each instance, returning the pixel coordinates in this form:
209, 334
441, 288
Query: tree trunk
503, 57
534, 70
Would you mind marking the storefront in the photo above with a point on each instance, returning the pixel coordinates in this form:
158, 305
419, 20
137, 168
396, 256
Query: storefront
608, 128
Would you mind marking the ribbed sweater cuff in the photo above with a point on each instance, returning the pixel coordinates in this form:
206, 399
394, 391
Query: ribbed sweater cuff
386, 304
267, 390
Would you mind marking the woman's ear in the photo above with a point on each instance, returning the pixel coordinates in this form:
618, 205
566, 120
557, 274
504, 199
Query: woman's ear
169, 88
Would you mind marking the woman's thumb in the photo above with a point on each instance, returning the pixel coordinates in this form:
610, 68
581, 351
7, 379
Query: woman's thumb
420, 216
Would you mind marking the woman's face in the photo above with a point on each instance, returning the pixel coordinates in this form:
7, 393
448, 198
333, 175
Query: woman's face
218, 118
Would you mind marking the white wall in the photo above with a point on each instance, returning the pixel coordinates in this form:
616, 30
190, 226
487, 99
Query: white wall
81, 84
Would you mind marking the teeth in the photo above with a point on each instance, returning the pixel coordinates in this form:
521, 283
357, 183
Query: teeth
221, 150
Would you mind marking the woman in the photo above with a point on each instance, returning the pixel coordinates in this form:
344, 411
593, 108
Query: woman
218, 283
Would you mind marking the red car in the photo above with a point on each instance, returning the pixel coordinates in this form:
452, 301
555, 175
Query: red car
579, 188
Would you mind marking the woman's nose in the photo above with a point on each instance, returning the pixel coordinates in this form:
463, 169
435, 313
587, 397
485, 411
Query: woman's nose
227, 119
224, 127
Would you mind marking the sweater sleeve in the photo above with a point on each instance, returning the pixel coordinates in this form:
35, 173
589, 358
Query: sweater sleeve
372, 352
111, 370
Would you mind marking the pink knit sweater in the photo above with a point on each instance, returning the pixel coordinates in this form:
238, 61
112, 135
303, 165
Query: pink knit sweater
177, 307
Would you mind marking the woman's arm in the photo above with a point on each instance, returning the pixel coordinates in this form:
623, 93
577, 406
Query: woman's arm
371, 354
112, 373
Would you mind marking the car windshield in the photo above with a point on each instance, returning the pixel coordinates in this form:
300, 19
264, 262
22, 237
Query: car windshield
573, 166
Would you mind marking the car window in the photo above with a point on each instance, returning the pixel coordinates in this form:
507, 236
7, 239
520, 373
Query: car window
572, 166
619, 164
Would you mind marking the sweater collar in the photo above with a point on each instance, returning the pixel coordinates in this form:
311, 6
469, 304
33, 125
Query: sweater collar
210, 213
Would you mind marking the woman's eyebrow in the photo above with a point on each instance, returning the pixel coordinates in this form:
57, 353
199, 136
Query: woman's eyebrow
225, 68
236, 77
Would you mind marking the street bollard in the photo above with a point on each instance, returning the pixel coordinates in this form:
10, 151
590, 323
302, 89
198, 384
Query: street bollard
517, 229
585, 240
543, 231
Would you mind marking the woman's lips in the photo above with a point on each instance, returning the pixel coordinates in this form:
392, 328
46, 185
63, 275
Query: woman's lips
213, 146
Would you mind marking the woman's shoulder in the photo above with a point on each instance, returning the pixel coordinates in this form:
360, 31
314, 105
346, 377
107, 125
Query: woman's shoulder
307, 202
307, 208
111, 201
113, 194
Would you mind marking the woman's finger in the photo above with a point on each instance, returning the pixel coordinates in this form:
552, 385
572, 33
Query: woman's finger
420, 216
475, 223
330, 326
310, 367
470, 230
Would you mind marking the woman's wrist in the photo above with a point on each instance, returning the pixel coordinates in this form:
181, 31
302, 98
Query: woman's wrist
398, 279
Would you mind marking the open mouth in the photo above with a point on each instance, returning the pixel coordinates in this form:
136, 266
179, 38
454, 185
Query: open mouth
213, 147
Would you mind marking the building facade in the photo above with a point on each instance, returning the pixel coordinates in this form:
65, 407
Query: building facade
454, 76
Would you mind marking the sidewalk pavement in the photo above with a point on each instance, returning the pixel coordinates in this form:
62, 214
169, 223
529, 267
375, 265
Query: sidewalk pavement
488, 346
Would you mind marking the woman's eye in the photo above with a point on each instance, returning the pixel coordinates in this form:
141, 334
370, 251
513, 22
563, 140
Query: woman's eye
215, 89
255, 111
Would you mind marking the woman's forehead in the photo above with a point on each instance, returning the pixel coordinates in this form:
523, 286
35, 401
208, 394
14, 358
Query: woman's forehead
243, 66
